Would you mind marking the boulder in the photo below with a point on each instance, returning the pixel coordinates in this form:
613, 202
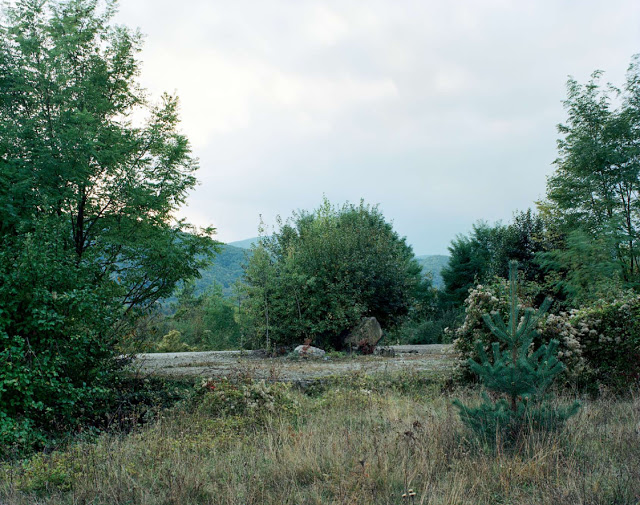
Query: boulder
367, 334
308, 351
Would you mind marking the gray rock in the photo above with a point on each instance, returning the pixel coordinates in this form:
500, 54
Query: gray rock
368, 332
307, 351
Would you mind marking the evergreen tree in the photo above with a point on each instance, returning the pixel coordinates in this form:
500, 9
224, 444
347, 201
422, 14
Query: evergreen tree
518, 376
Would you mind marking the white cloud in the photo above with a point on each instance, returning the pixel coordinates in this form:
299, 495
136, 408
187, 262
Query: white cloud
444, 112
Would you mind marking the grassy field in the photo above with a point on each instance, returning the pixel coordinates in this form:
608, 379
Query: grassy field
354, 440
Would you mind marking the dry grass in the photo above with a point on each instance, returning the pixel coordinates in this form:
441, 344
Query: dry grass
353, 443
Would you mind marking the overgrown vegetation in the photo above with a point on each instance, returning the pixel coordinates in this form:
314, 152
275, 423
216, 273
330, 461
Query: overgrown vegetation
366, 440
90, 245
581, 249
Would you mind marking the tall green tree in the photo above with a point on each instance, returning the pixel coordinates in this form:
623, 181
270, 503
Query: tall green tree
468, 263
487, 250
596, 186
88, 201
322, 271
260, 277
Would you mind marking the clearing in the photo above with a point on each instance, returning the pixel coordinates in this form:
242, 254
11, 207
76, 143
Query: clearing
434, 357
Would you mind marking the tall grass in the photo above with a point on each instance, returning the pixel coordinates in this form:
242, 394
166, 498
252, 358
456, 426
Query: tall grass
356, 441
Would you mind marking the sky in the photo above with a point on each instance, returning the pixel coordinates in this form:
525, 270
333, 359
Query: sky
442, 112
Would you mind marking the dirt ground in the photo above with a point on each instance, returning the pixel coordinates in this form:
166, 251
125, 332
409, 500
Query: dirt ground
436, 357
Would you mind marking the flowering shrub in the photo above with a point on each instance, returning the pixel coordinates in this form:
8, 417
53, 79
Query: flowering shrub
488, 298
222, 397
609, 334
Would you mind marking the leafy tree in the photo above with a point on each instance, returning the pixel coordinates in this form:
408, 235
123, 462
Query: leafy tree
87, 206
518, 375
322, 271
206, 321
487, 251
260, 277
596, 186
523, 239
464, 268
582, 269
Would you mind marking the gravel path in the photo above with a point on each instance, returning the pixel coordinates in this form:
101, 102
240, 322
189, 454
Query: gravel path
436, 357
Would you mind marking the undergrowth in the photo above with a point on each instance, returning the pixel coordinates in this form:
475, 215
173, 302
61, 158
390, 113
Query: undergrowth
357, 440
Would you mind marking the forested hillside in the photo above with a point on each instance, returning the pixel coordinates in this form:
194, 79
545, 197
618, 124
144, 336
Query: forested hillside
225, 269
244, 244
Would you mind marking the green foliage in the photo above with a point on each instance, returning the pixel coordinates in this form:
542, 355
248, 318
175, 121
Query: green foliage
432, 329
585, 269
485, 253
491, 298
465, 266
206, 321
256, 399
192, 322
516, 374
609, 333
321, 272
86, 210
225, 270
172, 342
596, 187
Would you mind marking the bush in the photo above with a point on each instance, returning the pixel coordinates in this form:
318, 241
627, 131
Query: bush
517, 376
257, 399
172, 342
430, 330
322, 272
609, 334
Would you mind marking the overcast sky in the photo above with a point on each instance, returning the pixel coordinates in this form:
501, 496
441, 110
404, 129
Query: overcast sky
443, 112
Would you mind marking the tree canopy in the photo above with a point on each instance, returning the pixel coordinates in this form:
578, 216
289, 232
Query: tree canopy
88, 201
322, 271
596, 187
487, 250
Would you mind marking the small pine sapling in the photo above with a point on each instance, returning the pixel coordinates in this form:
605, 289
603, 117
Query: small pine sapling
519, 376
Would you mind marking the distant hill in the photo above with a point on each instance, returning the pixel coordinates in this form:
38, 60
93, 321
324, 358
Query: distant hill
225, 270
434, 263
227, 266
244, 244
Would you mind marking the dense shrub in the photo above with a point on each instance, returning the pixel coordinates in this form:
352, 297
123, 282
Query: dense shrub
429, 330
322, 271
172, 342
56, 341
88, 202
609, 334
517, 377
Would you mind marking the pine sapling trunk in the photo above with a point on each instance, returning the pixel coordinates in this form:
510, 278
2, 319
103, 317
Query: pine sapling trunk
513, 316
